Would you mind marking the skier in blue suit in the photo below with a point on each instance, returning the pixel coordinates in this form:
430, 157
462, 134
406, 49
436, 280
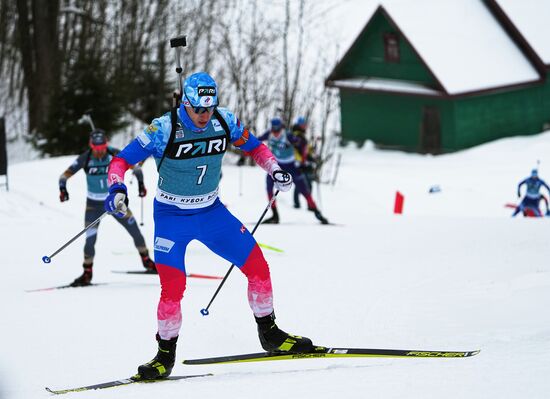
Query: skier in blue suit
281, 143
188, 145
532, 195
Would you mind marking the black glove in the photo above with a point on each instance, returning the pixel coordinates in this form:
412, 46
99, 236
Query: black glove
63, 194
142, 191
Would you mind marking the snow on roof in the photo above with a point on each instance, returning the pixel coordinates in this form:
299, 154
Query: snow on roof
465, 47
390, 85
462, 43
532, 18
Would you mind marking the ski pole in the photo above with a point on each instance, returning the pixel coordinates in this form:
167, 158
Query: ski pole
205, 311
48, 259
339, 159
240, 181
319, 198
141, 224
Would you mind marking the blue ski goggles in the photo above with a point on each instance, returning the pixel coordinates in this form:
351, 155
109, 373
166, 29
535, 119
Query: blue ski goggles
202, 110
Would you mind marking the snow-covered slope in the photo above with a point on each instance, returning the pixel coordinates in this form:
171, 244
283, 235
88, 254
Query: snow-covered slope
454, 272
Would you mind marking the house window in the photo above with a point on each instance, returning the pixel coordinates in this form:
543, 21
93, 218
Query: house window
391, 47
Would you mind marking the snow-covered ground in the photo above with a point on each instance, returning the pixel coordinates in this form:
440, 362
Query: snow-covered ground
454, 272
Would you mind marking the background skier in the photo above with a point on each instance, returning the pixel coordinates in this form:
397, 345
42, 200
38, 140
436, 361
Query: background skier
305, 158
532, 195
281, 143
94, 161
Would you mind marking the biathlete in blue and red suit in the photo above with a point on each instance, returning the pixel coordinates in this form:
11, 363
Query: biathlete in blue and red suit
281, 143
189, 158
532, 196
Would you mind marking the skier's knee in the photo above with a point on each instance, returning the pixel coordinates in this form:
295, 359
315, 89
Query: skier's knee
256, 267
172, 282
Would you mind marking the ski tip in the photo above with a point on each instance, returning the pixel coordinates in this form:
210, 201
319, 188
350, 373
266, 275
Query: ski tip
53, 392
473, 353
46, 259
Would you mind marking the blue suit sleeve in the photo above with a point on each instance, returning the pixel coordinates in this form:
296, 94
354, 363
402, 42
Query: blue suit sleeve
292, 139
134, 153
251, 144
150, 142
264, 136
241, 137
78, 163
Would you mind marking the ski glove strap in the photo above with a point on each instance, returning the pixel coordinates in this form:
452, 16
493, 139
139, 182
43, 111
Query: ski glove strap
282, 180
117, 200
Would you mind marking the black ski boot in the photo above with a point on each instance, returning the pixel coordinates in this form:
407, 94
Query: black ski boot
273, 219
273, 339
162, 364
148, 263
86, 277
319, 215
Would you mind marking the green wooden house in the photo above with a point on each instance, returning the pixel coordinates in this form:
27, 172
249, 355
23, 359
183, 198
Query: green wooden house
437, 76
